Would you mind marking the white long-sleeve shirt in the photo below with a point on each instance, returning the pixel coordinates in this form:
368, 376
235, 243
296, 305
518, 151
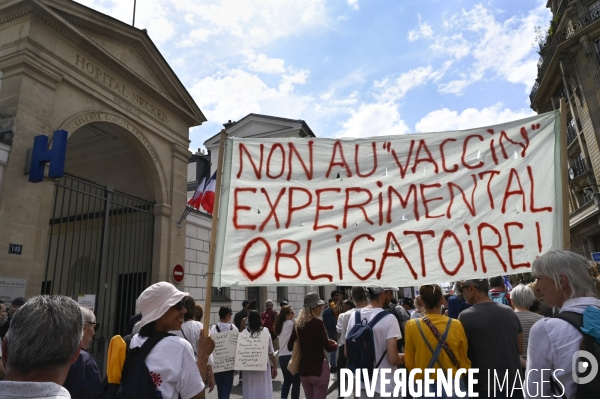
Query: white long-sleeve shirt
552, 343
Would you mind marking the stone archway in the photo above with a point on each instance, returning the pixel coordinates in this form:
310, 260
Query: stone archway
152, 163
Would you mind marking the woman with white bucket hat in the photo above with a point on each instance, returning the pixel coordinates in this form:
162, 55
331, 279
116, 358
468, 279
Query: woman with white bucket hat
171, 362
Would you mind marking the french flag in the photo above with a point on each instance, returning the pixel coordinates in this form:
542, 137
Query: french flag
208, 196
196, 199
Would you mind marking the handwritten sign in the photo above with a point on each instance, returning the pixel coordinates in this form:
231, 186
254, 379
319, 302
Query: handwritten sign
252, 352
396, 210
224, 353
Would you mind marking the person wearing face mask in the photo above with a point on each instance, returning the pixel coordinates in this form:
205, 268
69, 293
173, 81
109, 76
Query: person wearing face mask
84, 380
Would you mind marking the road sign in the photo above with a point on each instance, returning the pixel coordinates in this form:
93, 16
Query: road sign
596, 256
178, 273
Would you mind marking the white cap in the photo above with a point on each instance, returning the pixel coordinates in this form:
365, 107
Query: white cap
157, 299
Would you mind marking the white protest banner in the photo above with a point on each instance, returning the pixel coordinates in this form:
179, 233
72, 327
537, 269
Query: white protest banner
252, 352
390, 211
224, 352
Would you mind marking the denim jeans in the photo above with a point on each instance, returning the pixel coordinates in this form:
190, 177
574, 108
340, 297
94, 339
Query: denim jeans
332, 355
224, 382
289, 380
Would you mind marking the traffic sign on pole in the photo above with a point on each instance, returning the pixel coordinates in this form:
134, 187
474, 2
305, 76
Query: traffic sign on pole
178, 273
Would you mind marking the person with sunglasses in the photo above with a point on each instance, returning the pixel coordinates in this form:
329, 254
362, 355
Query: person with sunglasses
174, 370
84, 380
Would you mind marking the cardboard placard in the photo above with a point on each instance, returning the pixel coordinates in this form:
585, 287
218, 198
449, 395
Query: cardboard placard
252, 352
225, 350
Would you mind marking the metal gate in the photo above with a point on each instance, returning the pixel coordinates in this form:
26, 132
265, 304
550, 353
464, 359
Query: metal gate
100, 244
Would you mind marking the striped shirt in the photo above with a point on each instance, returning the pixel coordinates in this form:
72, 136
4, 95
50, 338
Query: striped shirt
527, 320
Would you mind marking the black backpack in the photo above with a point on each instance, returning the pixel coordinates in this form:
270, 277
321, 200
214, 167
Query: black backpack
360, 343
136, 382
589, 344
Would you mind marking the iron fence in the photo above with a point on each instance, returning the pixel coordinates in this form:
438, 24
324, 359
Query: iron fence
99, 244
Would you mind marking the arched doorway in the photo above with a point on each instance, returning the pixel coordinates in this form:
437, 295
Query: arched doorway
101, 226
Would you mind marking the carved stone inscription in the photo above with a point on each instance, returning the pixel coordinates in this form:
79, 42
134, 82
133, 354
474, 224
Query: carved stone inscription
106, 117
122, 89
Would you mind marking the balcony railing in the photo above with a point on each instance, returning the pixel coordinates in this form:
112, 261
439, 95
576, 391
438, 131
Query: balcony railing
547, 52
578, 168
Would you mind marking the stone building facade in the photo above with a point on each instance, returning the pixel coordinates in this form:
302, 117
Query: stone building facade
107, 229
569, 67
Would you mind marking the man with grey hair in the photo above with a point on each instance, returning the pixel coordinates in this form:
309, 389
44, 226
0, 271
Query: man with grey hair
268, 318
42, 342
495, 341
84, 380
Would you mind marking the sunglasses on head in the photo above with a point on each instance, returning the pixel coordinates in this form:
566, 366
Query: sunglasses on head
96, 325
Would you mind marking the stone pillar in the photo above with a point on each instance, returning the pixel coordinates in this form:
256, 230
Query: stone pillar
160, 250
25, 207
180, 156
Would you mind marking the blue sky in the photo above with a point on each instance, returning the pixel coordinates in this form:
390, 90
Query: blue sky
349, 68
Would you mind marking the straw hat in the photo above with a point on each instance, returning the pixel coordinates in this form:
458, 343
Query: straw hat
157, 299
312, 300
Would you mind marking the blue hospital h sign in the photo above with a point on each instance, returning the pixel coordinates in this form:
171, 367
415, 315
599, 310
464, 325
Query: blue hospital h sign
41, 154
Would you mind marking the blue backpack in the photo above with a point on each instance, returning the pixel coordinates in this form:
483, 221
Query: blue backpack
499, 297
361, 344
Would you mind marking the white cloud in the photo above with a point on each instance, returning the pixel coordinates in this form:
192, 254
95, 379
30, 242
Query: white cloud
445, 119
455, 46
264, 64
235, 93
423, 30
189, 18
288, 82
239, 24
454, 86
500, 48
395, 89
374, 120
353, 4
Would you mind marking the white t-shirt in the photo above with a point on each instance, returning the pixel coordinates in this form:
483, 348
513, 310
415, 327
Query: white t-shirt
223, 327
172, 367
385, 329
342, 325
190, 331
284, 337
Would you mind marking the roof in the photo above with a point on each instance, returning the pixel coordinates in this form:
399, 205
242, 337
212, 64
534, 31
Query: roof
230, 124
85, 20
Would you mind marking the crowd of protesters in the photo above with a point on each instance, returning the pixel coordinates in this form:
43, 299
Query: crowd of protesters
486, 324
